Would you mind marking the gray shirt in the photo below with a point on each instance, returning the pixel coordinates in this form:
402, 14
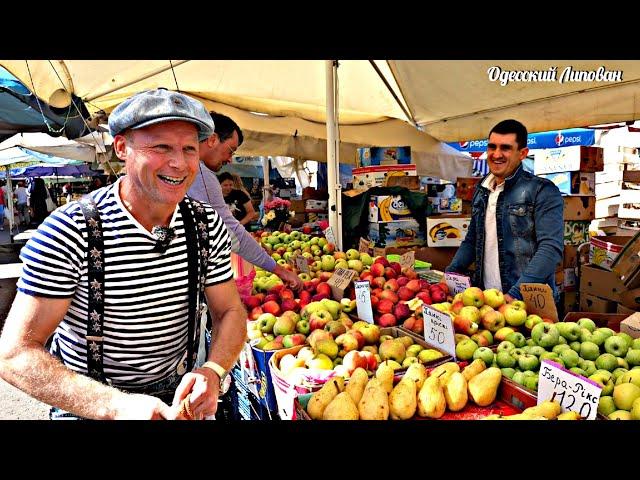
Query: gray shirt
206, 188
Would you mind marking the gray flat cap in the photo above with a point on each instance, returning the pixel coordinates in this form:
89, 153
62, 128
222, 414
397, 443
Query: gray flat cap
157, 106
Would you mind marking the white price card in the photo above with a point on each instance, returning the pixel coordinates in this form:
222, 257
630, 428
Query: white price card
457, 283
438, 330
572, 391
328, 234
363, 300
301, 264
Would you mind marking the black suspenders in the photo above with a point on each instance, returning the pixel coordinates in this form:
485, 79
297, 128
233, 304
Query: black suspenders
196, 224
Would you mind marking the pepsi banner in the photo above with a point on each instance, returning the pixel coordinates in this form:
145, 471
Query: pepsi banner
560, 138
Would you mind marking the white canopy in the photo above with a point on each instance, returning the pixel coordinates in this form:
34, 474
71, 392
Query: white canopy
85, 149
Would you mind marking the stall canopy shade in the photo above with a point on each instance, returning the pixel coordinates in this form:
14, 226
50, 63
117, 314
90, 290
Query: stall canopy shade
85, 149
452, 100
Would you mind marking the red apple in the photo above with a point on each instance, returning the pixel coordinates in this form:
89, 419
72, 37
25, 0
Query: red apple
366, 276
397, 267
414, 285
252, 302
387, 320
324, 288
425, 297
405, 294
392, 285
389, 295
381, 260
359, 336
378, 282
272, 307
401, 311
353, 360
402, 281
390, 273
272, 297
377, 270
255, 313
289, 304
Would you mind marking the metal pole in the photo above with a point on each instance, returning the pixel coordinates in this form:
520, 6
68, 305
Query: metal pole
333, 160
9, 201
266, 195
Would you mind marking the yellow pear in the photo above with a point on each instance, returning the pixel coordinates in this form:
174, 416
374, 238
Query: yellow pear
546, 409
444, 371
431, 401
402, 400
418, 373
483, 387
384, 373
341, 408
357, 383
474, 368
455, 392
374, 404
320, 399
570, 415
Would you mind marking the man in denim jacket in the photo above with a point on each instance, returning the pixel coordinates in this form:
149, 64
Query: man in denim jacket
516, 229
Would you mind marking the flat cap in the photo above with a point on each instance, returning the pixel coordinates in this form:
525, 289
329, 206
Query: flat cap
157, 106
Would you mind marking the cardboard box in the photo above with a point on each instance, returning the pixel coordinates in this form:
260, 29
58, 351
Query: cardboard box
606, 320
386, 208
576, 232
569, 301
573, 183
631, 176
624, 310
631, 325
607, 207
400, 233
447, 230
579, 208
466, 186
566, 159
629, 204
412, 183
367, 177
627, 227
447, 190
610, 173
569, 280
591, 303
601, 283
373, 156
445, 205
608, 190
604, 250
570, 256
315, 205
298, 205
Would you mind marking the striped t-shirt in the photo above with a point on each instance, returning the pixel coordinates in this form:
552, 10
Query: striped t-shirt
146, 292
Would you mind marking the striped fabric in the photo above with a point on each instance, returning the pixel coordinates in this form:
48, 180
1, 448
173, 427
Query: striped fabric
145, 326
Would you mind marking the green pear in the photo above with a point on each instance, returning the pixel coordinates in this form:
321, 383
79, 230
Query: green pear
606, 406
635, 410
624, 395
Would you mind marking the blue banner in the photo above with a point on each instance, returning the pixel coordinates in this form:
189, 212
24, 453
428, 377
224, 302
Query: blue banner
558, 138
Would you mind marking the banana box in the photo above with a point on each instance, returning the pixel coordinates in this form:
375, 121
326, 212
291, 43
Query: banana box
399, 233
447, 230
573, 183
371, 156
576, 232
386, 208
368, 177
604, 250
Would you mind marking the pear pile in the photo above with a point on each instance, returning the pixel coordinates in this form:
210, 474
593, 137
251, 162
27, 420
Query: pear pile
419, 392
548, 410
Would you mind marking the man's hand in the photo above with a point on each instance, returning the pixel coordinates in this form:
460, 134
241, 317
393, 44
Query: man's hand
288, 277
203, 386
142, 407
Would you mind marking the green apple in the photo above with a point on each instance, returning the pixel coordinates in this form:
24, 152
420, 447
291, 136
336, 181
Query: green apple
516, 353
570, 358
636, 343
605, 382
408, 361
485, 354
622, 363
627, 338
519, 378
536, 350
569, 330
620, 415
465, 349
585, 335
589, 350
588, 366
558, 360
616, 346
528, 362
578, 371
559, 348
545, 334
575, 346
531, 342
531, 383
635, 410
517, 339
618, 372
587, 323
505, 345
562, 340
632, 376
606, 406
633, 357
508, 372
599, 336
505, 360
553, 356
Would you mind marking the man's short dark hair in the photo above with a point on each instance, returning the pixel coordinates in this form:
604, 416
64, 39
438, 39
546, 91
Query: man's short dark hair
511, 126
225, 176
225, 127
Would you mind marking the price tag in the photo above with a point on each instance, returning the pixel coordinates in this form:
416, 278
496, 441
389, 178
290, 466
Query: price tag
438, 330
457, 283
408, 259
363, 300
340, 280
328, 234
363, 246
572, 391
539, 300
301, 264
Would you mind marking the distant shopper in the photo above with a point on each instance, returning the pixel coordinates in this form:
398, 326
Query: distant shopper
516, 231
238, 201
22, 204
38, 201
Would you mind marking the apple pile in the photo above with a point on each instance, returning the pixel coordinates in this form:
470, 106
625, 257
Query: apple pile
419, 392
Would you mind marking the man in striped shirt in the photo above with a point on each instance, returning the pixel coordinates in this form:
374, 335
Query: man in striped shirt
145, 324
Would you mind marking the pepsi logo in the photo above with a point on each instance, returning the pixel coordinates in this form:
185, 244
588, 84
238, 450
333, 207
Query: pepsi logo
559, 139
463, 144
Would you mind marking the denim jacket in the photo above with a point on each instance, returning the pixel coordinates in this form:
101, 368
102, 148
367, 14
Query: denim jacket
529, 221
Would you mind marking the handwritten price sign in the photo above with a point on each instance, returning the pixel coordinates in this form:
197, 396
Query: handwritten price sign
363, 300
457, 283
301, 264
408, 259
329, 235
539, 299
438, 330
572, 391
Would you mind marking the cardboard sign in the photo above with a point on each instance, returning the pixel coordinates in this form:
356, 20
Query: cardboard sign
572, 391
457, 283
408, 259
328, 234
363, 246
438, 330
340, 280
539, 300
301, 264
363, 300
